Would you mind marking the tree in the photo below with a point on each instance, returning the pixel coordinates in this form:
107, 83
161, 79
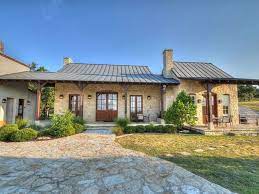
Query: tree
246, 92
182, 111
33, 66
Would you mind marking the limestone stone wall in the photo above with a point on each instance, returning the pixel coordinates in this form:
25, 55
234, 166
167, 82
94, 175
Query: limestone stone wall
150, 107
195, 87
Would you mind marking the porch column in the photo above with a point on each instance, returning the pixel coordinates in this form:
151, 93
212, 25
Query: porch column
209, 107
162, 92
38, 99
125, 88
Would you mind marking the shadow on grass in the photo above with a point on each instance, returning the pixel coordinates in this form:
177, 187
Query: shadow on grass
237, 174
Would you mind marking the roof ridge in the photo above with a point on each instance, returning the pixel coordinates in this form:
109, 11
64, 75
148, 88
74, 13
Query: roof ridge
192, 62
108, 64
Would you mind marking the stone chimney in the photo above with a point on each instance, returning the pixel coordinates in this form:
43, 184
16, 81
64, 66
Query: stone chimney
168, 62
67, 60
1, 47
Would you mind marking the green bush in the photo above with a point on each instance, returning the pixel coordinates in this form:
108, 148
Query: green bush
62, 125
79, 128
122, 122
25, 134
7, 131
150, 129
44, 132
79, 120
21, 123
182, 111
117, 131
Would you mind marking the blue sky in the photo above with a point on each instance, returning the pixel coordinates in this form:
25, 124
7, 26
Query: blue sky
224, 32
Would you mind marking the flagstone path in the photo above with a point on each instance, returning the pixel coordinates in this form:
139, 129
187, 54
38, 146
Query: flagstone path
91, 163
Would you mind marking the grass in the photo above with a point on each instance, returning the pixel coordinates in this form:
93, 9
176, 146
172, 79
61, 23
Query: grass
254, 104
232, 162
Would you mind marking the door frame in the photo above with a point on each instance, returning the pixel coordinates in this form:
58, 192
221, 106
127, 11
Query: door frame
136, 105
80, 105
107, 104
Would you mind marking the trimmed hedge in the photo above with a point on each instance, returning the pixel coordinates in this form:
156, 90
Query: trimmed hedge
150, 129
25, 134
7, 131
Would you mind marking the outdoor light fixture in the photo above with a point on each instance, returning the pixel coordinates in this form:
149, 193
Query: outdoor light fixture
61, 96
89, 97
199, 100
219, 101
123, 97
28, 102
4, 100
149, 97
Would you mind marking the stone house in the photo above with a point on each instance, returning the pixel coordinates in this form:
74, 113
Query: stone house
15, 98
101, 92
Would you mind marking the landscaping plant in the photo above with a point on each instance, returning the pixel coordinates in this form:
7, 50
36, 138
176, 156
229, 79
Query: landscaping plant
7, 131
25, 134
182, 111
122, 122
21, 123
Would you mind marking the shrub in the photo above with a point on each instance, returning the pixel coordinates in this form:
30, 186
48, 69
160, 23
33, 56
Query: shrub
122, 122
44, 132
21, 123
25, 134
79, 128
182, 111
150, 129
7, 131
79, 120
117, 131
62, 125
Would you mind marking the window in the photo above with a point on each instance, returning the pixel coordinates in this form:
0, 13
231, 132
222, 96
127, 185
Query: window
225, 103
136, 104
101, 102
193, 97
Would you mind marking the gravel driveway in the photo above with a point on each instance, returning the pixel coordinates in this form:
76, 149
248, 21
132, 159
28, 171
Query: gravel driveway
91, 163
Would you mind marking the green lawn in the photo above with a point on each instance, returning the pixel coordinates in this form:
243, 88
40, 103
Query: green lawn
254, 104
232, 162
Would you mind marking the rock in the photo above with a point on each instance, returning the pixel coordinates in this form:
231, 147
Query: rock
199, 150
174, 180
147, 190
113, 180
211, 148
45, 188
185, 153
190, 189
163, 171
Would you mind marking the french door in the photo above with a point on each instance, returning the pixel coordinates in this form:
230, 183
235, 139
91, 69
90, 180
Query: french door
75, 104
136, 107
106, 106
214, 103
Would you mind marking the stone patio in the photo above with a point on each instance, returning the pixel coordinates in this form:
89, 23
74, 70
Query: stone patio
91, 163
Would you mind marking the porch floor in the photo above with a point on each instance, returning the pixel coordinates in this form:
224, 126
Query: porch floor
242, 129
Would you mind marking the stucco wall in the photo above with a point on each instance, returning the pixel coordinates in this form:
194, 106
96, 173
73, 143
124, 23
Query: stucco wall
195, 87
17, 90
150, 107
8, 66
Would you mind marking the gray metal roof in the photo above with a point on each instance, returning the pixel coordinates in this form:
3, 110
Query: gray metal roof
104, 69
197, 70
104, 77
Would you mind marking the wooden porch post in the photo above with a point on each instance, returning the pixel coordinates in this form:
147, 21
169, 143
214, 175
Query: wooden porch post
38, 99
162, 92
125, 88
209, 107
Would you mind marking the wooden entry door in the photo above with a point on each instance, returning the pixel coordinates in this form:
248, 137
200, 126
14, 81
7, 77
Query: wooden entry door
106, 106
75, 104
205, 108
136, 107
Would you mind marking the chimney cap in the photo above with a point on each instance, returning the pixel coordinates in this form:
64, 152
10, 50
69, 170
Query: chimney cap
168, 50
67, 60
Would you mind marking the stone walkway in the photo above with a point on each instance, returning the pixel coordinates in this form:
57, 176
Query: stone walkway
91, 163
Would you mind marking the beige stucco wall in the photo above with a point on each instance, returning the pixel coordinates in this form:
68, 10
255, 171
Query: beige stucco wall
8, 66
150, 107
17, 90
195, 87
